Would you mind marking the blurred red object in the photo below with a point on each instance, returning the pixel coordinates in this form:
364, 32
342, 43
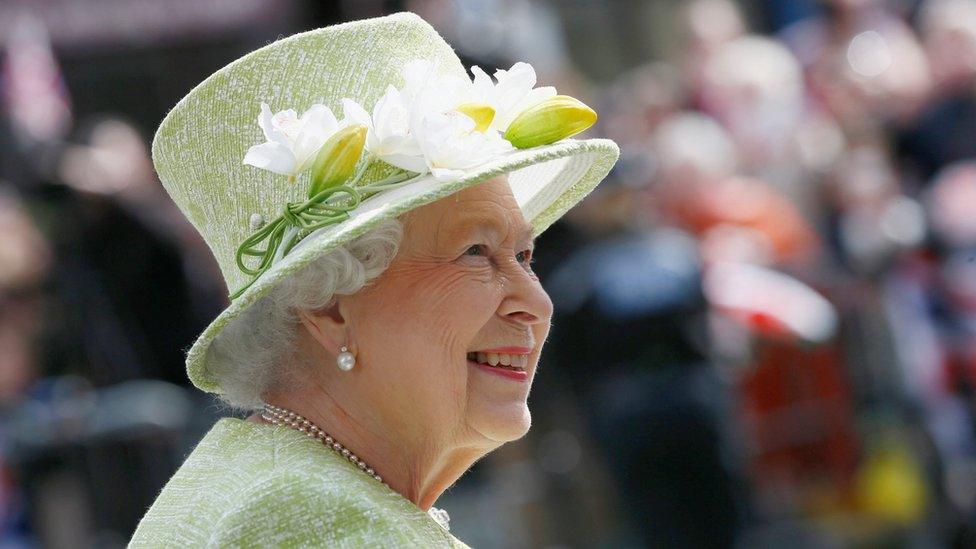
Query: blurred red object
751, 204
797, 407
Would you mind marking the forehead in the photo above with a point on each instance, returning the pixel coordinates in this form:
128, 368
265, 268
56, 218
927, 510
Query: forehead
488, 206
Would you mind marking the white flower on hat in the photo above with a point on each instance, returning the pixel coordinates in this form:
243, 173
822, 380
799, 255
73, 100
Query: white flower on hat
451, 144
388, 130
292, 142
426, 91
419, 129
437, 123
514, 92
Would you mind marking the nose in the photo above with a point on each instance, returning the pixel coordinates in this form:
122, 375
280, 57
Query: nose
526, 301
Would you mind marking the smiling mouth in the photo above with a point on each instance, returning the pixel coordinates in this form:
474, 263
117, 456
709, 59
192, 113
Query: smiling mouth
500, 360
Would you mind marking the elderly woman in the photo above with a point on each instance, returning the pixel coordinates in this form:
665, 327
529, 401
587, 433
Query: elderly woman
385, 322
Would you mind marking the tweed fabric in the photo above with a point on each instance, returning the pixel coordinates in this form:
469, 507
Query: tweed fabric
199, 147
257, 485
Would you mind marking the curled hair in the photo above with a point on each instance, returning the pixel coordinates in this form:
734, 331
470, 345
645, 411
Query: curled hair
257, 352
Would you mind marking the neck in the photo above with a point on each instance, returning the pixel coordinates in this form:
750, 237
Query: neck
419, 469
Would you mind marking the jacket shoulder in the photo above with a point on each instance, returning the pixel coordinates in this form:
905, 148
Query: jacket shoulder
295, 508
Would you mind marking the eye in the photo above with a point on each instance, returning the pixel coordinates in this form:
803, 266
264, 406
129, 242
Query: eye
475, 249
524, 257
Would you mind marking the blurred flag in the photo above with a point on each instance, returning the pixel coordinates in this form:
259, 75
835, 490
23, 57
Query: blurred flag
34, 93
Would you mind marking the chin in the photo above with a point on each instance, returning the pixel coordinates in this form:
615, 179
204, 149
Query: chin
503, 423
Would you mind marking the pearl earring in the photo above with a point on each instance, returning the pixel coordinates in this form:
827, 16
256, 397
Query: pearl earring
345, 360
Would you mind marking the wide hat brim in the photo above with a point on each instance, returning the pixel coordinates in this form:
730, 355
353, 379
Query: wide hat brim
547, 181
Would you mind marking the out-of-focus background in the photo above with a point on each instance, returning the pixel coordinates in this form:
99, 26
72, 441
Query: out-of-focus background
765, 330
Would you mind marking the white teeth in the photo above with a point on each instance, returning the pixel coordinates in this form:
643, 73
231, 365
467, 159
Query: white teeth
500, 359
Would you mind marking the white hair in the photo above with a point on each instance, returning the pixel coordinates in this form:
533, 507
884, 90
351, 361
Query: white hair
257, 351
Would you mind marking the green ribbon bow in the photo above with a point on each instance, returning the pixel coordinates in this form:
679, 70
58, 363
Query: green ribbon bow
299, 219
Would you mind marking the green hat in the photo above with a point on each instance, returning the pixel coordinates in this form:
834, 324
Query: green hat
286, 206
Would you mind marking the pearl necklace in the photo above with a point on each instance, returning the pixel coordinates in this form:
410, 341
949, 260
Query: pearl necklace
282, 416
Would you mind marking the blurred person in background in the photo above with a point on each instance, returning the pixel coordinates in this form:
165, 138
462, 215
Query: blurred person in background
111, 163
932, 298
131, 295
74, 471
754, 87
25, 260
864, 64
706, 27
629, 301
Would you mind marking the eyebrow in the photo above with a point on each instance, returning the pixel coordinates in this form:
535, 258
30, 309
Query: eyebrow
490, 225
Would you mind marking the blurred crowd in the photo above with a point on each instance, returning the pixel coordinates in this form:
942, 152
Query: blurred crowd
765, 330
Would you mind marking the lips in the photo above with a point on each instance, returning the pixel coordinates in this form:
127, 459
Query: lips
507, 362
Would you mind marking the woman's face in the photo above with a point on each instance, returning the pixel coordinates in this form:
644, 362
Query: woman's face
460, 283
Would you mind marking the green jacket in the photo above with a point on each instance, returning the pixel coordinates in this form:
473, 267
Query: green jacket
256, 485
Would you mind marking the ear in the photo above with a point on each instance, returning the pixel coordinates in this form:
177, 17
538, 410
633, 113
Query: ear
327, 326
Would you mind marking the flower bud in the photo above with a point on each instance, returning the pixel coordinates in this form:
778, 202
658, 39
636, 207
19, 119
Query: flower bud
556, 118
336, 160
481, 113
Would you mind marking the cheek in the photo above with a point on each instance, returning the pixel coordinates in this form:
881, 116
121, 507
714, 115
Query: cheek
432, 316
429, 310
448, 294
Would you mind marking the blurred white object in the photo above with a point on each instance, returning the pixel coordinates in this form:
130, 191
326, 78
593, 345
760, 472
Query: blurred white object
770, 301
691, 141
868, 54
948, 30
951, 203
34, 92
759, 76
713, 22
